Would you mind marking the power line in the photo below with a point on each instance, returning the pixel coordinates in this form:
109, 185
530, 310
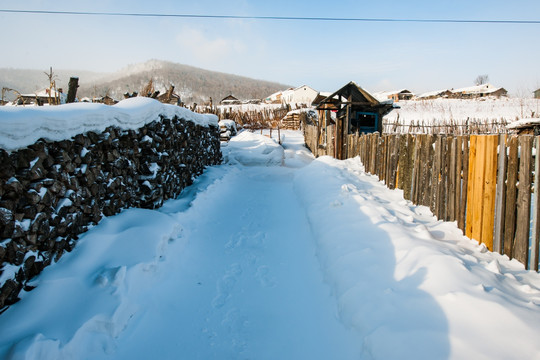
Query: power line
285, 18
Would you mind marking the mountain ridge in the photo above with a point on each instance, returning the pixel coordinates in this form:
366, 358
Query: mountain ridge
193, 84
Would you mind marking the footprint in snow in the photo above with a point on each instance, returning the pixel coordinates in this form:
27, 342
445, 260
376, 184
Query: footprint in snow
263, 276
225, 285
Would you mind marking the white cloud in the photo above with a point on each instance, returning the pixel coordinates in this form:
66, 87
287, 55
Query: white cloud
206, 49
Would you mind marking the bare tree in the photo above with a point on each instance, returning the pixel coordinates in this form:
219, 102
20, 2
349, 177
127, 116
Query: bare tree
52, 86
481, 79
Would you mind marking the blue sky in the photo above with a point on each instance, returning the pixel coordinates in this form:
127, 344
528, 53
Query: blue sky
324, 55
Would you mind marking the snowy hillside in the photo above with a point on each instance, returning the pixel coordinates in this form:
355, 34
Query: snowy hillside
276, 255
457, 110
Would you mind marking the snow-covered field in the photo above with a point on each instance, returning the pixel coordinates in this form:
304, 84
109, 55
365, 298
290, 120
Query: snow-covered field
458, 111
276, 255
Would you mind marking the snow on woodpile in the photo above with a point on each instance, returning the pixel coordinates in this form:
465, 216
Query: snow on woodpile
23, 126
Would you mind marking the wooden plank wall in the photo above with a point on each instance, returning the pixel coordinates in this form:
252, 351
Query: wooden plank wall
482, 182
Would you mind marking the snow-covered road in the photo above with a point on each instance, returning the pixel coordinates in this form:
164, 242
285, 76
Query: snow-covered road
246, 284
275, 255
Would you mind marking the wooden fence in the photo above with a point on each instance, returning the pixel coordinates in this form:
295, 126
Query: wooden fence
485, 183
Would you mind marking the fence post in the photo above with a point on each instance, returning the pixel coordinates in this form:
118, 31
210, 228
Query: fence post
511, 193
536, 208
521, 243
500, 196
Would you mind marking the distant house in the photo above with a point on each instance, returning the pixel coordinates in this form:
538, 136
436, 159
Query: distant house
525, 126
437, 94
170, 97
276, 98
42, 97
107, 100
473, 92
537, 94
355, 110
230, 100
396, 95
301, 95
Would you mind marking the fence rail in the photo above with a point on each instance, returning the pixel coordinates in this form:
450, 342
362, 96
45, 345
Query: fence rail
483, 182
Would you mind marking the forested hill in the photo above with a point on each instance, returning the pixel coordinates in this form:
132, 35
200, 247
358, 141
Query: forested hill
191, 83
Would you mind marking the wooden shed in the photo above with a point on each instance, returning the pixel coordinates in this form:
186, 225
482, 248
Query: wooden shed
355, 110
230, 100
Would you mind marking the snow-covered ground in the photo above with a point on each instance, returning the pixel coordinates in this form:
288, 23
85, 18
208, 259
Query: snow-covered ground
458, 111
276, 255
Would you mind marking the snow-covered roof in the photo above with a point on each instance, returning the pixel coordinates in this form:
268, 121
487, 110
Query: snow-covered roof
304, 86
431, 93
478, 89
524, 123
384, 95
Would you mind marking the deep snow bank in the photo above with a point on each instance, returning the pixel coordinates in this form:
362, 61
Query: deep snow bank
415, 287
249, 148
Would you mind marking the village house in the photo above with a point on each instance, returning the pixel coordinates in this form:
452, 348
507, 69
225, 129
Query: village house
346, 111
275, 98
170, 97
473, 92
107, 100
301, 95
42, 97
437, 94
396, 95
230, 100
525, 127
537, 94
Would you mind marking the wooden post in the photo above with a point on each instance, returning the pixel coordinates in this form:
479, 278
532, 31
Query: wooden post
416, 169
465, 185
471, 176
510, 201
426, 169
536, 208
521, 243
500, 196
435, 178
72, 89
458, 181
489, 185
452, 188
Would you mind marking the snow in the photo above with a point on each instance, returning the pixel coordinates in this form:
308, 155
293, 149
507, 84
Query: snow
291, 259
459, 110
251, 149
521, 123
23, 126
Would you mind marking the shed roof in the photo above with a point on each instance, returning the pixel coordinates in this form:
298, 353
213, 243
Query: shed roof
355, 93
229, 97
